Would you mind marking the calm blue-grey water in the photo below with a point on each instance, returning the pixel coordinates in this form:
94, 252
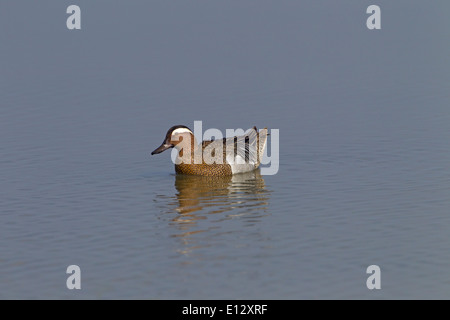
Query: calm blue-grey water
364, 176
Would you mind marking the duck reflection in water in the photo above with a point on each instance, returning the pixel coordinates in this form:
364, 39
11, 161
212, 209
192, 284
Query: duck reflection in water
218, 194
217, 199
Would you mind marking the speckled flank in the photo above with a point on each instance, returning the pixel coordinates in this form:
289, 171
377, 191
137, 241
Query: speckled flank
204, 169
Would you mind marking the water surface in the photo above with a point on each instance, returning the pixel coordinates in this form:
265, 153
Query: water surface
364, 175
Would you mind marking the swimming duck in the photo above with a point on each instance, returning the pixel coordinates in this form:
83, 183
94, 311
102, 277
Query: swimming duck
221, 157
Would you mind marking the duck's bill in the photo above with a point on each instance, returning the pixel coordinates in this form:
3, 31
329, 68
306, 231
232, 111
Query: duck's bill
162, 148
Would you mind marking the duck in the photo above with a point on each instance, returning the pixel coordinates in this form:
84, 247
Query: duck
222, 157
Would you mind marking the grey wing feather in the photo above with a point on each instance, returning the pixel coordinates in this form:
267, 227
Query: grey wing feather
245, 146
249, 146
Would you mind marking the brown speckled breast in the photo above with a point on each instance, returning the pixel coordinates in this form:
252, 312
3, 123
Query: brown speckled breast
204, 169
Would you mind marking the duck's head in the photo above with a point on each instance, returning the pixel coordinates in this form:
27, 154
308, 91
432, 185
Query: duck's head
177, 136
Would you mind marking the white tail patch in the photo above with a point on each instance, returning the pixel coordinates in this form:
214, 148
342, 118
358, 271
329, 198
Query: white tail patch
181, 130
262, 143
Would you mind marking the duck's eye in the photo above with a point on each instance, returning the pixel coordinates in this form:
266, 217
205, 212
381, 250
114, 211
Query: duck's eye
177, 138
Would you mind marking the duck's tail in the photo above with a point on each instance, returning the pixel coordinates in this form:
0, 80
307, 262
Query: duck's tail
262, 141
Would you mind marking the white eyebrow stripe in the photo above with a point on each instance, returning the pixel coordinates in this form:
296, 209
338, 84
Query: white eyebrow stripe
181, 130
